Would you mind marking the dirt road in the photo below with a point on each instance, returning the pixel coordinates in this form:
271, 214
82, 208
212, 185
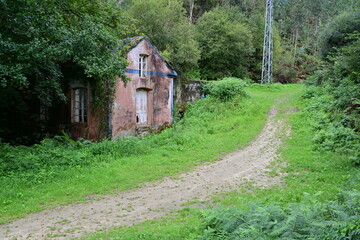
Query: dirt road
158, 198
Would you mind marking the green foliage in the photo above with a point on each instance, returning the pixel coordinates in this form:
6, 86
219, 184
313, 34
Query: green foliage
299, 23
226, 89
335, 130
335, 34
284, 71
196, 8
309, 219
225, 42
80, 32
60, 170
61, 152
334, 103
306, 171
166, 25
39, 40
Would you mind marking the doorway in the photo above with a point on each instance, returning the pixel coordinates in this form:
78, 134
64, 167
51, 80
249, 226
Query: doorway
141, 106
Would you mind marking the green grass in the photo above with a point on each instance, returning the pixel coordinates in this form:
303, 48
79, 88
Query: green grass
185, 224
309, 172
209, 129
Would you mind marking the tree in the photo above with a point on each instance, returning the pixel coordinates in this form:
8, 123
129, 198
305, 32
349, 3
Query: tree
165, 23
337, 99
225, 42
335, 34
39, 37
300, 21
196, 8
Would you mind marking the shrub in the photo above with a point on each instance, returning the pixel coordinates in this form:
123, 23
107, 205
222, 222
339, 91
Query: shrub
306, 220
333, 102
334, 130
226, 89
56, 152
62, 152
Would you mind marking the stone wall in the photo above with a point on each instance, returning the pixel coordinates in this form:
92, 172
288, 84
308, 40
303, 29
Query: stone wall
186, 92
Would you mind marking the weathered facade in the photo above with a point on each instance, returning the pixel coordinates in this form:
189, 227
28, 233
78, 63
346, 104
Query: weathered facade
141, 105
186, 92
145, 103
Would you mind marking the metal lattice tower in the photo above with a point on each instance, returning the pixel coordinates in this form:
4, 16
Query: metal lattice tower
267, 62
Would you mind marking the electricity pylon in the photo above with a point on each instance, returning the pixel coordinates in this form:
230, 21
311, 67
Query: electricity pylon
267, 62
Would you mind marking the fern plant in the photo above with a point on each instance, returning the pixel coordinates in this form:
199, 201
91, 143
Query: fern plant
309, 219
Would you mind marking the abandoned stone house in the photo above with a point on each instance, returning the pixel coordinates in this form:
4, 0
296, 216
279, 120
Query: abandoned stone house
144, 103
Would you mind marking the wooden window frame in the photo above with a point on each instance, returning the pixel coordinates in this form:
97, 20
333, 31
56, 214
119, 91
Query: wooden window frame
80, 105
143, 65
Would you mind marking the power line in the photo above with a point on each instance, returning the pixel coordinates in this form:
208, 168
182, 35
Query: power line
267, 62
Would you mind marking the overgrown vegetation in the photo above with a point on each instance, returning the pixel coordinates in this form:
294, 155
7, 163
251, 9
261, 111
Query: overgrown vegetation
319, 182
39, 40
60, 170
60, 153
226, 89
334, 91
309, 219
40, 43
203, 40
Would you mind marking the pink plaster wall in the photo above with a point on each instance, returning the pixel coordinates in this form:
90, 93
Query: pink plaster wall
159, 94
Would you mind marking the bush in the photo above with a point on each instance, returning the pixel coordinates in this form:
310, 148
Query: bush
334, 130
226, 89
306, 220
119, 148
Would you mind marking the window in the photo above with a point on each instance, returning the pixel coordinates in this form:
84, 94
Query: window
80, 105
44, 113
142, 65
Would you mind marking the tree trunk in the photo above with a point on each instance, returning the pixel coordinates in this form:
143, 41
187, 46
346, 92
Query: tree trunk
295, 43
191, 10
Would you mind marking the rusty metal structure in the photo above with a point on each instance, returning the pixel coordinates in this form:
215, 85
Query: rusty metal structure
267, 61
